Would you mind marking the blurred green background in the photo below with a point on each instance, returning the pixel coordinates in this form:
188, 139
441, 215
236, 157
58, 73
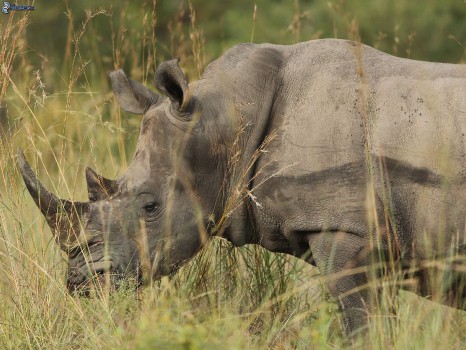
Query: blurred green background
433, 30
58, 56
61, 112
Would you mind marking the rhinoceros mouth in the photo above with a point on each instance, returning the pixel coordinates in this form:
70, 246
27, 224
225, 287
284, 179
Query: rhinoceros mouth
91, 278
102, 280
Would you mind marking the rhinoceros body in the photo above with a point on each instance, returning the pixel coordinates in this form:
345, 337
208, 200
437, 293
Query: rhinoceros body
327, 150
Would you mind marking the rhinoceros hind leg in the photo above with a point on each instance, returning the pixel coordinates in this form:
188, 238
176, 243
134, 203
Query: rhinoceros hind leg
444, 283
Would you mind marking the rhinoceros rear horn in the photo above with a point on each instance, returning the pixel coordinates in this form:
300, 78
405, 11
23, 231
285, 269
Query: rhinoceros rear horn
170, 80
99, 187
132, 96
62, 216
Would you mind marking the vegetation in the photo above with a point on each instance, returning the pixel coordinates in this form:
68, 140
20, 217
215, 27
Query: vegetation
53, 65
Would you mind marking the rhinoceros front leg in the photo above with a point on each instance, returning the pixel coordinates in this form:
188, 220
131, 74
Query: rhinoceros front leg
341, 258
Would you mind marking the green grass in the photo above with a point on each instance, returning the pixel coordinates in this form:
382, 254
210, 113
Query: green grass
64, 117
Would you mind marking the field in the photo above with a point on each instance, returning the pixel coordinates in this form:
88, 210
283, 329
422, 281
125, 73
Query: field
62, 113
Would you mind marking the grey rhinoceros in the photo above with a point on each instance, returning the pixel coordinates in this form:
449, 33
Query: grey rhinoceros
328, 150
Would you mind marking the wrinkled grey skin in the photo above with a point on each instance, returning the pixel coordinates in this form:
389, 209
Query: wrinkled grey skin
360, 139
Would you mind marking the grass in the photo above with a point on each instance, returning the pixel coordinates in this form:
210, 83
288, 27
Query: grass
233, 298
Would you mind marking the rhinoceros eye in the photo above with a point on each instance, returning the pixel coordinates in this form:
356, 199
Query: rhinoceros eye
151, 207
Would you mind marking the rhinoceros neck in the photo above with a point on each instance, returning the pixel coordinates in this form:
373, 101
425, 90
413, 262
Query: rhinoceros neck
254, 80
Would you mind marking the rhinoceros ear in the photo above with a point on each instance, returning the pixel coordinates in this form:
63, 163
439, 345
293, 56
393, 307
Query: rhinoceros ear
170, 80
132, 96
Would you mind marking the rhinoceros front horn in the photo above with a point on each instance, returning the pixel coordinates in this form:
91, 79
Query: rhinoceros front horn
62, 216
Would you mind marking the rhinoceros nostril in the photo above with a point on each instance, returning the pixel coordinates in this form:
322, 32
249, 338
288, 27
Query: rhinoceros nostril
100, 272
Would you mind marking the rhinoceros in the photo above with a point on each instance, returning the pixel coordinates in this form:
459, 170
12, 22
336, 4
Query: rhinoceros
328, 150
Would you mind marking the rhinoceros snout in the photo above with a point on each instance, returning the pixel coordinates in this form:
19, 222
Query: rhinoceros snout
98, 280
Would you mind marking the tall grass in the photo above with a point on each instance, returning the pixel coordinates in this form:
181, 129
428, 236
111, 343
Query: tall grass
235, 298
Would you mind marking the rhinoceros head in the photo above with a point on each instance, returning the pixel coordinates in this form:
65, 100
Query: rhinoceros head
151, 219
